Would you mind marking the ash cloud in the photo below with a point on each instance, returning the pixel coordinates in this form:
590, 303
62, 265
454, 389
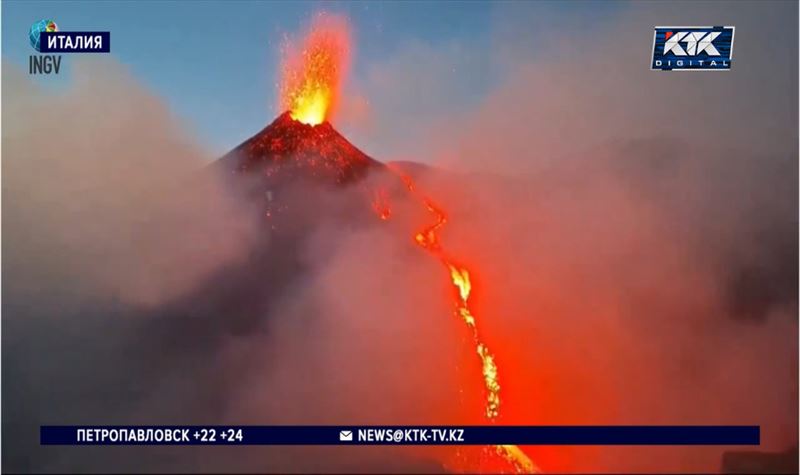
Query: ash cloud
635, 232
141, 287
628, 288
106, 194
109, 220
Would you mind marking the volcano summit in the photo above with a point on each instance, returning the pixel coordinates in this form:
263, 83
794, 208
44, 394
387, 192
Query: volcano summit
288, 149
292, 168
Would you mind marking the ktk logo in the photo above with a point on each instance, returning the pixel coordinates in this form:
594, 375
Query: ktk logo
696, 43
692, 48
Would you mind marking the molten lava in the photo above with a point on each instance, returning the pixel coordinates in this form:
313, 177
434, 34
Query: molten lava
312, 76
301, 144
460, 279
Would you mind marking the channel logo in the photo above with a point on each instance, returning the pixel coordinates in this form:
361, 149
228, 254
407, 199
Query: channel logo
35, 33
45, 37
692, 48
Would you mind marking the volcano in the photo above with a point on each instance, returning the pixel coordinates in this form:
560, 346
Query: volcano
298, 173
295, 177
288, 150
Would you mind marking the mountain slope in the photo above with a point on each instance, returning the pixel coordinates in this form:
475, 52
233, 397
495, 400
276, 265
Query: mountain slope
287, 149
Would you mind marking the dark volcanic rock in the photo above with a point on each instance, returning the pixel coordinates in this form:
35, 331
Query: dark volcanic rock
302, 175
288, 149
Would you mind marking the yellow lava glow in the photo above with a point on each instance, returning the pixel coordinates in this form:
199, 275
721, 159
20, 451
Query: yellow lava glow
521, 462
309, 107
460, 278
312, 76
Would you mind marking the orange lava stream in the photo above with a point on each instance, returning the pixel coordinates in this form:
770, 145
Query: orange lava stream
428, 239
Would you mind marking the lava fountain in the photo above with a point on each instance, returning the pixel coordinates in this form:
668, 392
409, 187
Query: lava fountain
314, 70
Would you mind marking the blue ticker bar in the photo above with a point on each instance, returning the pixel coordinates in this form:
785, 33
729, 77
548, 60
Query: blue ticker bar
400, 435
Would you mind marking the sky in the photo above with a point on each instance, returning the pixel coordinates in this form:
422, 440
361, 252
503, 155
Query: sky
427, 79
216, 63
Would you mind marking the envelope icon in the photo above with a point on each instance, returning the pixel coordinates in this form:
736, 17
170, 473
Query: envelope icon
345, 435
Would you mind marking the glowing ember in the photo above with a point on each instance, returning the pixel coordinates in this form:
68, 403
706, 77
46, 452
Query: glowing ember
460, 278
313, 75
380, 204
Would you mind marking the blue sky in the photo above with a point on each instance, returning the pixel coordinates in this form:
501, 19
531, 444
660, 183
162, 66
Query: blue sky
449, 71
215, 63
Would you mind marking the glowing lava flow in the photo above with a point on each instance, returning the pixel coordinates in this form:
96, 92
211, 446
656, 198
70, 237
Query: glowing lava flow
312, 76
309, 91
460, 278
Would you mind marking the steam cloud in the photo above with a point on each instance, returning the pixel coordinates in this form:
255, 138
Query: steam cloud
635, 233
658, 275
140, 288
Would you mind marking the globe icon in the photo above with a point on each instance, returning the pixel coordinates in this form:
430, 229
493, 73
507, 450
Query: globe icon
37, 29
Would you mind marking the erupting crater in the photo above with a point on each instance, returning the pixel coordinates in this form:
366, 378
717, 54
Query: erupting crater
288, 148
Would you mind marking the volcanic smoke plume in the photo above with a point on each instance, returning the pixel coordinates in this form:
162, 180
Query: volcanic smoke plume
299, 281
